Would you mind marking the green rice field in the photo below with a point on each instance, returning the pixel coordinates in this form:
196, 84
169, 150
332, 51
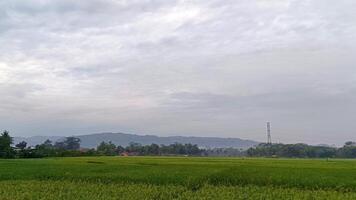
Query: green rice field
176, 178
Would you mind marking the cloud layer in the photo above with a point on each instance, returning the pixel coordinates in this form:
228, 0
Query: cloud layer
205, 68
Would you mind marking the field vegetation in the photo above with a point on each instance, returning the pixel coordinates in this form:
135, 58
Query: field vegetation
177, 178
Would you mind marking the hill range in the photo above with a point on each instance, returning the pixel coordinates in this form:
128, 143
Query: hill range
124, 139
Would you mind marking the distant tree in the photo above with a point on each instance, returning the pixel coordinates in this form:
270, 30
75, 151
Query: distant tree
47, 149
349, 144
192, 149
153, 149
292, 150
22, 152
47, 143
6, 150
60, 145
134, 148
348, 150
120, 149
223, 152
72, 143
108, 149
22, 145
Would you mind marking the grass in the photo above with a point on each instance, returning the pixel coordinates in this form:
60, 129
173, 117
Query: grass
176, 178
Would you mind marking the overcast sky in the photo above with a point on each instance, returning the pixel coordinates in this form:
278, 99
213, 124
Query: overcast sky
166, 67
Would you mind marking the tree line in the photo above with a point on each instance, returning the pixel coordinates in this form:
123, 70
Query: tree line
70, 146
302, 151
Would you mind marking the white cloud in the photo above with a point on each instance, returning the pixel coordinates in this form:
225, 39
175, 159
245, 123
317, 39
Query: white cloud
179, 67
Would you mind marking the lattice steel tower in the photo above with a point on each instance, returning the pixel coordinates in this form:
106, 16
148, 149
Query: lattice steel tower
269, 140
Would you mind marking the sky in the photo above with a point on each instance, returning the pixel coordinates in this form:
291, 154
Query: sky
179, 67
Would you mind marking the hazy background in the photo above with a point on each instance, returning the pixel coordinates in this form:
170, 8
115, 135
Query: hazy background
203, 68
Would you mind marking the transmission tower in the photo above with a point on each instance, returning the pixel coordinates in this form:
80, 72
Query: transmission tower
269, 140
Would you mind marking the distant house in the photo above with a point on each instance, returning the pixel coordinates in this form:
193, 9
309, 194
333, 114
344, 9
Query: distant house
84, 149
129, 153
124, 154
16, 149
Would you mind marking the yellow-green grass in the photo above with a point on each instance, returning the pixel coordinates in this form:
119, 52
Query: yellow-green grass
176, 178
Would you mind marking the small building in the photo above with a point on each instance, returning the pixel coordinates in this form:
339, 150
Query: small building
129, 153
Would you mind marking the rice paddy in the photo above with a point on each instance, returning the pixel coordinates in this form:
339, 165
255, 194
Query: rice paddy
176, 178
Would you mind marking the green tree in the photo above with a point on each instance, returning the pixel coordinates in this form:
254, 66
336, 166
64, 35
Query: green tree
153, 149
120, 149
134, 148
48, 143
72, 143
350, 144
6, 150
21, 145
108, 149
45, 149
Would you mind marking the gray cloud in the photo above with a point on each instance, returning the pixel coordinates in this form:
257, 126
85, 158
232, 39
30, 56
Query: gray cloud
179, 67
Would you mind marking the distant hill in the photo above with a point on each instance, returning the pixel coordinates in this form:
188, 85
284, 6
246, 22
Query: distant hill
34, 140
123, 139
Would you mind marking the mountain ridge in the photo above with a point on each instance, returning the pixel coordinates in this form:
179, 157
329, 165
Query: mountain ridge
124, 139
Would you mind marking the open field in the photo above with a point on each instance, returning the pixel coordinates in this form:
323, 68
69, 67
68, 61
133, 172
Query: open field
176, 178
